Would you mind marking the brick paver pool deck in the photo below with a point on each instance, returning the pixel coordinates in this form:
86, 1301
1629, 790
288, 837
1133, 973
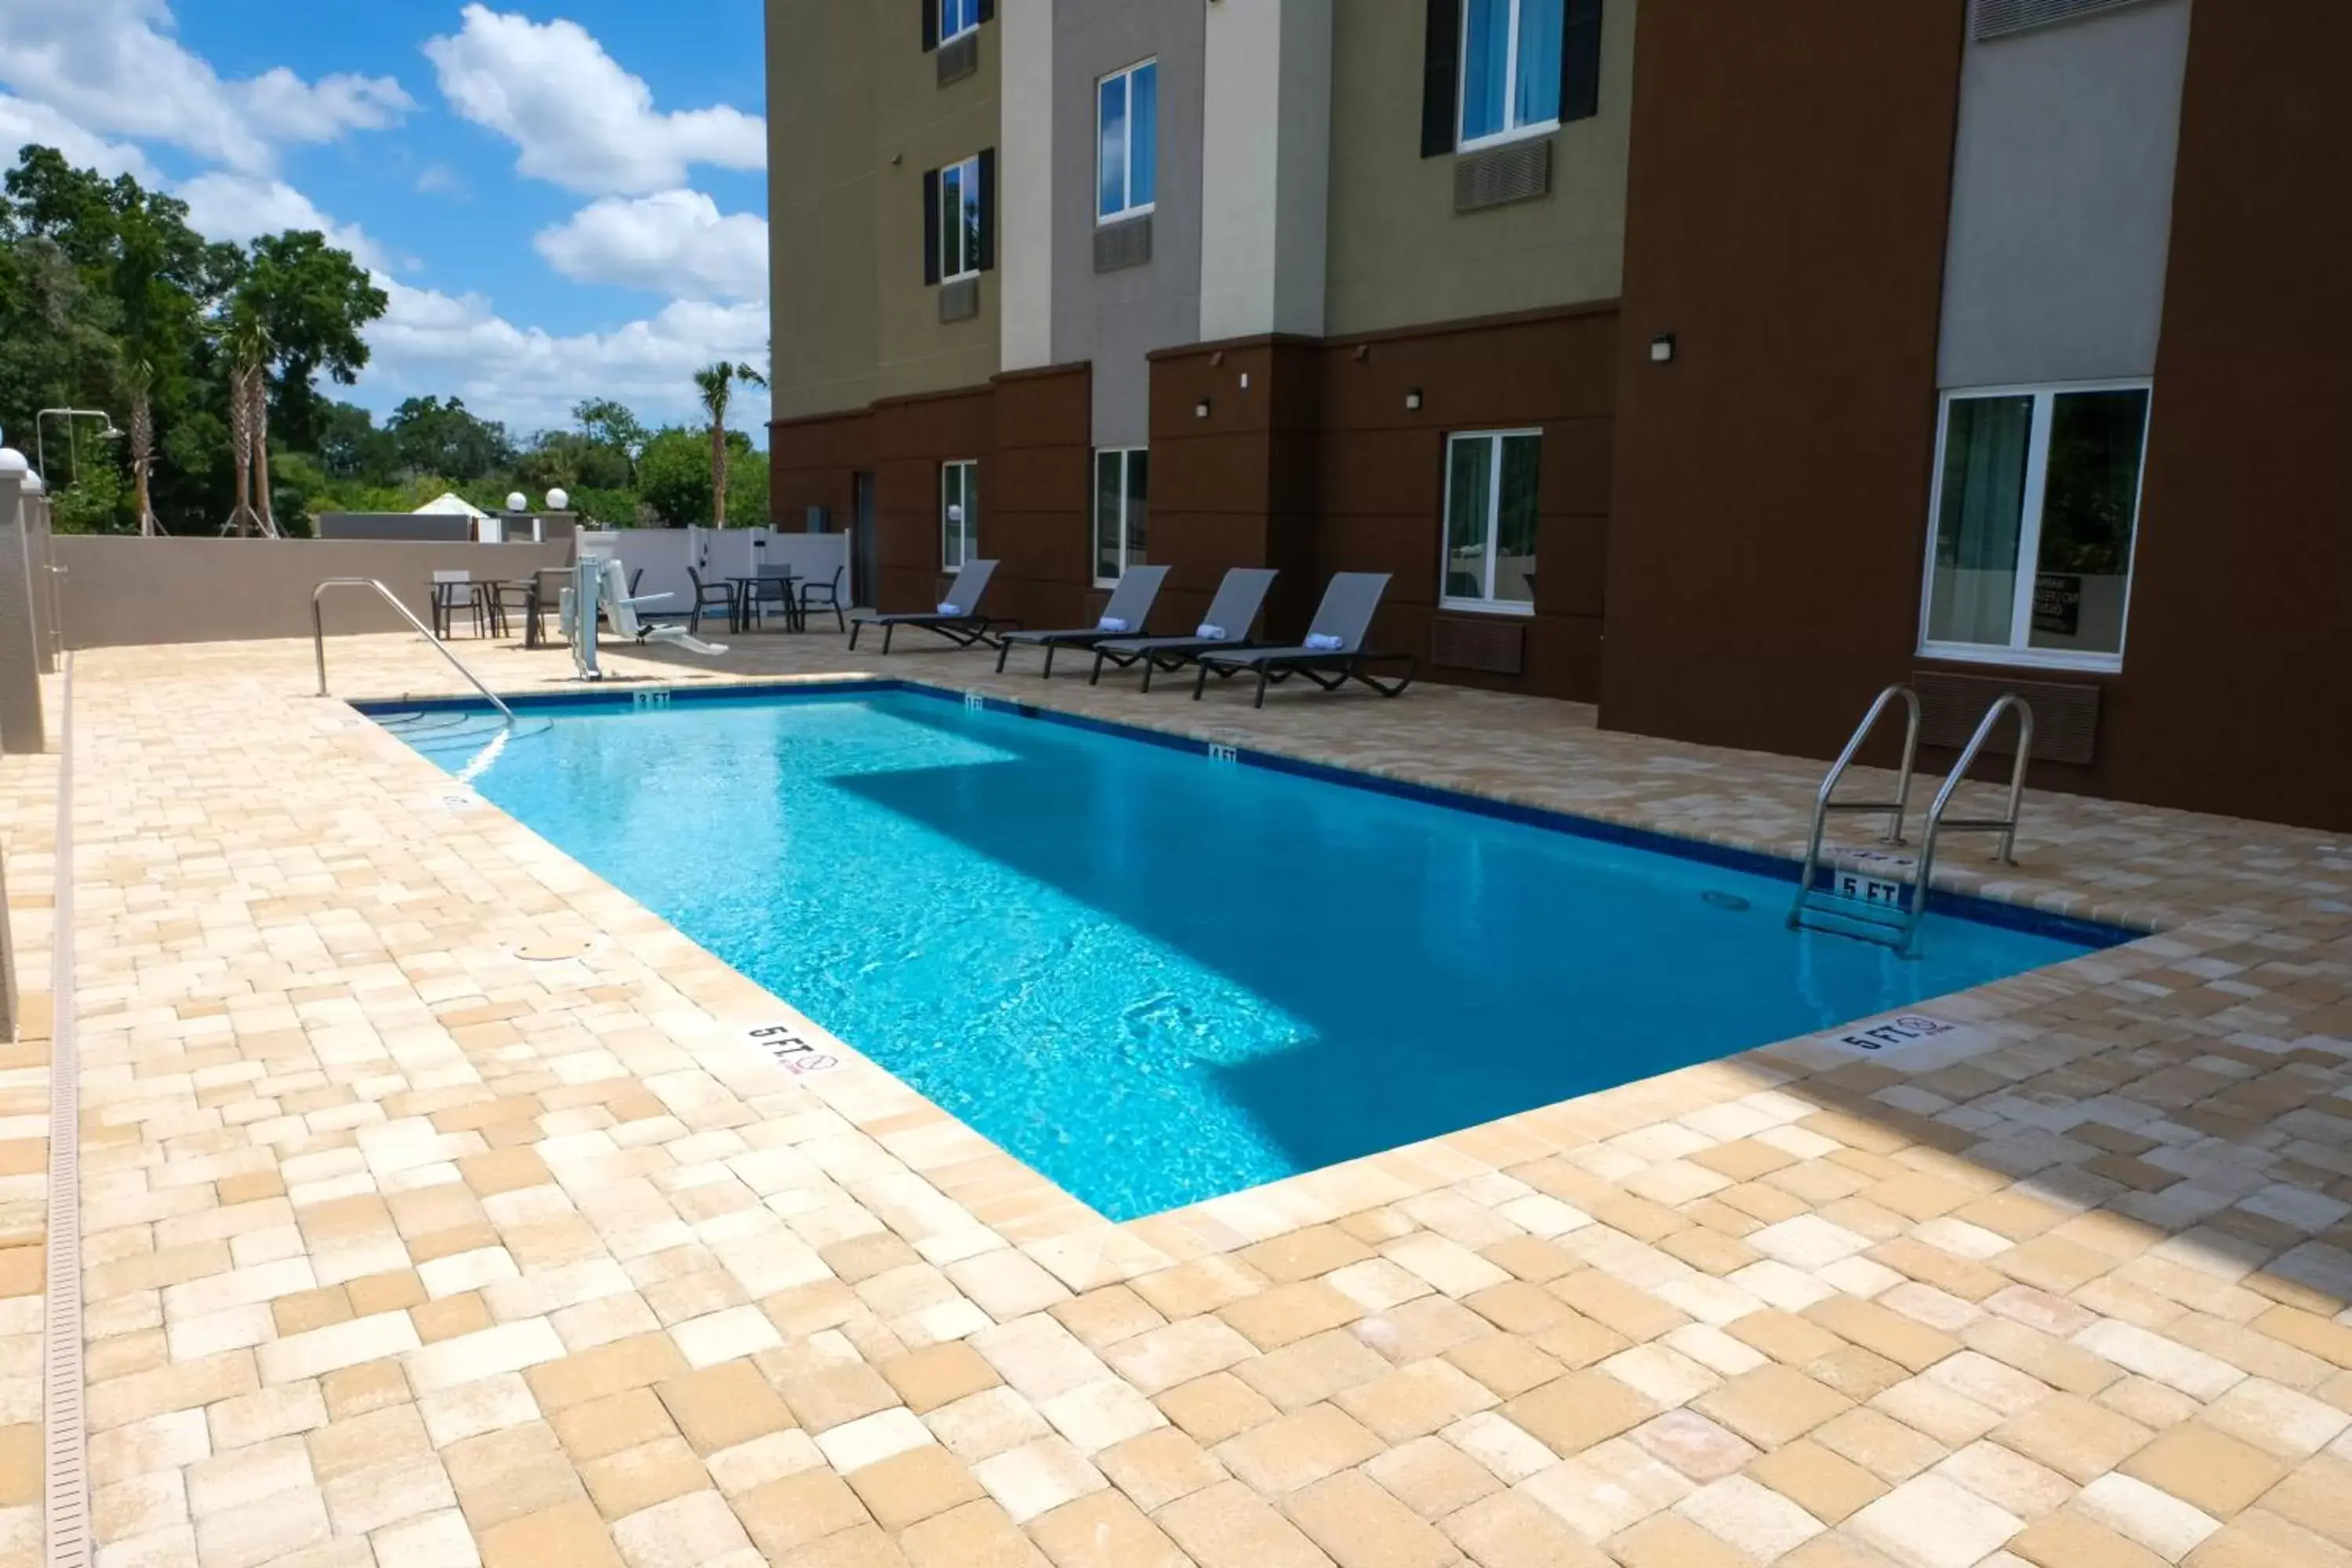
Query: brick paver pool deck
405, 1247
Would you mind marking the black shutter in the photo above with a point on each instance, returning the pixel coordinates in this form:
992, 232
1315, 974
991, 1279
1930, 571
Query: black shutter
988, 10
1442, 78
1579, 61
986, 261
931, 227
930, 25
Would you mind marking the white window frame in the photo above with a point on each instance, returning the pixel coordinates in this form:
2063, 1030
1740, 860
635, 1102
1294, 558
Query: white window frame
968, 526
1462, 140
1134, 209
952, 235
1494, 439
973, 26
1125, 455
2018, 653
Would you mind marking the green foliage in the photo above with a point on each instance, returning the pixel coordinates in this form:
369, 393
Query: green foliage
98, 275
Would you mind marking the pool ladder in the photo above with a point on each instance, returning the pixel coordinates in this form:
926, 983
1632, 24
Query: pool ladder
1896, 924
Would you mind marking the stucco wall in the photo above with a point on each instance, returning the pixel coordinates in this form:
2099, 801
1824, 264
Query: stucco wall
919, 126
2062, 199
1114, 319
134, 592
821, 178
1399, 252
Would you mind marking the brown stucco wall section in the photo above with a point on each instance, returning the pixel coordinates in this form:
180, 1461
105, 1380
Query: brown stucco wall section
1030, 430
1318, 466
2236, 694
1790, 186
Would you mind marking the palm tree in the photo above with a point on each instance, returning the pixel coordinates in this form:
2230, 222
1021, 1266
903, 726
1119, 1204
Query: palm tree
142, 445
247, 344
717, 384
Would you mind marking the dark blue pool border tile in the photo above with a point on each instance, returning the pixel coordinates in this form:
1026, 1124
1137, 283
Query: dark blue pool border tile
2093, 934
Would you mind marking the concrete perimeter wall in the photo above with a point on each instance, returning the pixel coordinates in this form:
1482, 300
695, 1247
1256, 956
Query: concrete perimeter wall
127, 592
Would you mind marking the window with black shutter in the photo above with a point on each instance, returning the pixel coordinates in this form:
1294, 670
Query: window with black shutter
931, 227
1579, 61
1442, 78
985, 261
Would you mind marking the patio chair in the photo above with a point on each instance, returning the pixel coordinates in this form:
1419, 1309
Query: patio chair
1129, 609
1232, 615
711, 595
832, 600
958, 618
1333, 653
454, 591
771, 585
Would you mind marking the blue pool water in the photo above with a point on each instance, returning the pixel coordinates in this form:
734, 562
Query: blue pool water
1157, 979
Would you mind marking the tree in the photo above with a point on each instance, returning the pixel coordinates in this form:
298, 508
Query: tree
612, 424
143, 445
314, 300
247, 344
430, 437
717, 384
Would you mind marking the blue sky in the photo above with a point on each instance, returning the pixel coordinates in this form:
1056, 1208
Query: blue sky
564, 200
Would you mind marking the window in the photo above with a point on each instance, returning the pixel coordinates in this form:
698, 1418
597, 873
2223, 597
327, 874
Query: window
1127, 138
959, 513
2049, 476
960, 247
958, 18
1510, 68
1122, 511
1491, 485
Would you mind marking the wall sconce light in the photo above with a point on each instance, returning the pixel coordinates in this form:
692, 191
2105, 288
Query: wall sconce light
1413, 399
1216, 359
1661, 348
1200, 409
1363, 352
1244, 381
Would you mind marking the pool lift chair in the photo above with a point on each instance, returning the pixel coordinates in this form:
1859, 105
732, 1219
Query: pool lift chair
598, 586
1883, 914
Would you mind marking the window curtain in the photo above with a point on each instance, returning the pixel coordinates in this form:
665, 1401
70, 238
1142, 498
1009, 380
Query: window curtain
1986, 446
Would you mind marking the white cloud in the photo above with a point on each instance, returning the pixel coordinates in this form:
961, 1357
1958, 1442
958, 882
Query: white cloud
111, 67
239, 207
675, 243
24, 122
431, 342
578, 119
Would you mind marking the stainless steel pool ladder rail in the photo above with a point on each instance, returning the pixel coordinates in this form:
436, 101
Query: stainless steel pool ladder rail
1896, 810
2005, 825
319, 637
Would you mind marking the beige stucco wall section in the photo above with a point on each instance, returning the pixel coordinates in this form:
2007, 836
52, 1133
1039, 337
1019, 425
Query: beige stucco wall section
921, 125
1400, 254
821, 179
123, 592
856, 116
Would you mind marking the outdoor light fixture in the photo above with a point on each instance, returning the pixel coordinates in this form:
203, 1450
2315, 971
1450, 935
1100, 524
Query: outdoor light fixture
1661, 348
518, 501
1200, 409
558, 501
1413, 398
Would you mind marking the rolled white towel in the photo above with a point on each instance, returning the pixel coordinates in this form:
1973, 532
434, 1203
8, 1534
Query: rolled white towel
1323, 642
950, 609
1112, 624
1209, 633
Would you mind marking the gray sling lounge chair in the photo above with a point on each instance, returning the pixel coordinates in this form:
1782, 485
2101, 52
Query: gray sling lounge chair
1342, 624
1234, 611
1130, 606
966, 626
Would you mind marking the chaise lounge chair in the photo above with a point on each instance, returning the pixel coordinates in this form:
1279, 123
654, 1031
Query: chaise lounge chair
1232, 615
1333, 653
1129, 609
958, 618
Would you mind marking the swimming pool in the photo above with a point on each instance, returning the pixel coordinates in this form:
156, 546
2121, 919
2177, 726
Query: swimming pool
1157, 979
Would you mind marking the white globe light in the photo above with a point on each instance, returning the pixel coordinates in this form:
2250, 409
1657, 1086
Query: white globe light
558, 501
12, 461
34, 487
516, 501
